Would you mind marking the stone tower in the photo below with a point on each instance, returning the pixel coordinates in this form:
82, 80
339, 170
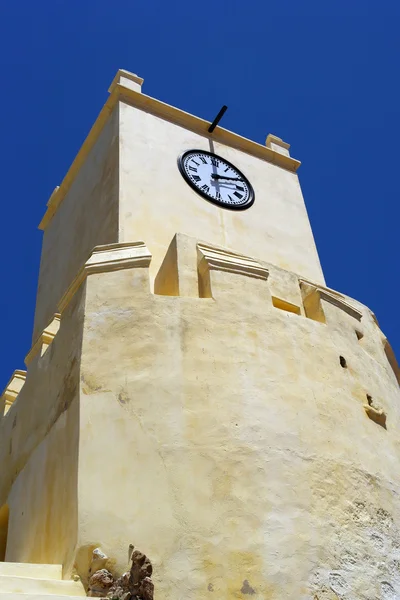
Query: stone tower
193, 387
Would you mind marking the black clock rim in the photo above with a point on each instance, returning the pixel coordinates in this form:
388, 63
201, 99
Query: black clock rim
249, 203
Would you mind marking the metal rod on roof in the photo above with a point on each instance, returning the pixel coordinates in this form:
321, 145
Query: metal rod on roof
217, 119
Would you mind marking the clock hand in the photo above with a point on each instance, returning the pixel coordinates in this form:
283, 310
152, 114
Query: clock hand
216, 176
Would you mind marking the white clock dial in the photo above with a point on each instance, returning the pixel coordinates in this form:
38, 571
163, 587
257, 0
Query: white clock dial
216, 179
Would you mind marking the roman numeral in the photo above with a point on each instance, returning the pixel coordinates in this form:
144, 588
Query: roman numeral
193, 169
218, 196
197, 164
214, 161
227, 169
203, 159
240, 196
241, 189
205, 188
230, 198
196, 177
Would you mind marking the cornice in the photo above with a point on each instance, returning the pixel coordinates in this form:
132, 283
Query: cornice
339, 303
333, 297
213, 258
107, 258
169, 113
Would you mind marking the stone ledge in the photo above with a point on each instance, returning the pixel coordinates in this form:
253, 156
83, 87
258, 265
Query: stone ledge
111, 257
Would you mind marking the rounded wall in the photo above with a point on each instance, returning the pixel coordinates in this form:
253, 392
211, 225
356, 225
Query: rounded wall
226, 439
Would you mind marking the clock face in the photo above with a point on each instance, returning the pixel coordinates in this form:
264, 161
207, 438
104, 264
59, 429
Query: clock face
216, 179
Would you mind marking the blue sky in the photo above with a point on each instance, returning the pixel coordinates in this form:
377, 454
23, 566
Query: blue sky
324, 76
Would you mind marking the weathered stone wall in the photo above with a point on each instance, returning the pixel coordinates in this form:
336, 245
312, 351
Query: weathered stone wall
223, 436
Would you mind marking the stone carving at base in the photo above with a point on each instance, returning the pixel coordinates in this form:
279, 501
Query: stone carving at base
135, 584
100, 583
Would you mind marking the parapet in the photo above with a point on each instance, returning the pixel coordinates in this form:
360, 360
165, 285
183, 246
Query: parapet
196, 269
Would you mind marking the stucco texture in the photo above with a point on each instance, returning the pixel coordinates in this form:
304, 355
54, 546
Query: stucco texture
226, 438
223, 438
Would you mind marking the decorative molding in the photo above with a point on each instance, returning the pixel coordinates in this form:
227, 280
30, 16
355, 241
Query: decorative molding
339, 303
193, 123
44, 340
218, 259
12, 389
107, 258
169, 113
334, 298
318, 286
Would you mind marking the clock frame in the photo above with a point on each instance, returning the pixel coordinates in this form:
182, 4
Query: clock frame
219, 202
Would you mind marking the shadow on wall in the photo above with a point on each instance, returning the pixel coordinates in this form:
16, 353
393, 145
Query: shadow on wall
4, 514
392, 360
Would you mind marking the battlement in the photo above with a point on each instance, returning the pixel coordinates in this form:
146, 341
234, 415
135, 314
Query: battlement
195, 269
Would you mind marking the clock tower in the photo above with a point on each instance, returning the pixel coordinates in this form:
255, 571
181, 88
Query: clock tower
194, 389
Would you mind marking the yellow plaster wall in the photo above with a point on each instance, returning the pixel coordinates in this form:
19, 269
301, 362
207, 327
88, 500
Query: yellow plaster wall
218, 434
222, 437
39, 450
156, 202
43, 499
88, 216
